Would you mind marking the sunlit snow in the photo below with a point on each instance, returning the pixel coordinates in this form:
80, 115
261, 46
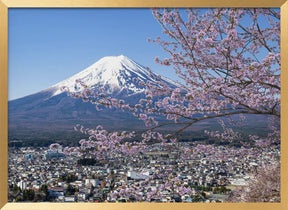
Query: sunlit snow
115, 73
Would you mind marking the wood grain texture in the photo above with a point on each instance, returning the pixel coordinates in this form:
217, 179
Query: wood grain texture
144, 206
143, 3
3, 103
284, 104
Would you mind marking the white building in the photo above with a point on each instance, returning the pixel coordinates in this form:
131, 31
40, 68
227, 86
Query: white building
94, 182
135, 175
22, 185
69, 199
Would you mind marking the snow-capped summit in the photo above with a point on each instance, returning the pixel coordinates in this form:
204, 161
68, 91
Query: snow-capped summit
51, 114
114, 73
53, 111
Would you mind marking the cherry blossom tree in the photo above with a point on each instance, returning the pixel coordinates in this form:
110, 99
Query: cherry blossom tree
263, 186
228, 62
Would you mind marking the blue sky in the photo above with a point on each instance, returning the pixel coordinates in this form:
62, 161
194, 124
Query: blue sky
47, 46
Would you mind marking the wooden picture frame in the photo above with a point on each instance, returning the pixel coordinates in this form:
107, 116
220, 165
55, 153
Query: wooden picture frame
6, 4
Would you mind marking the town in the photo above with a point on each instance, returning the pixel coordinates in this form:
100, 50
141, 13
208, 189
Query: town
41, 175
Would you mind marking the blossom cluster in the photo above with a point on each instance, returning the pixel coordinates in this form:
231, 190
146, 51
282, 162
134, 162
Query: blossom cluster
262, 187
227, 65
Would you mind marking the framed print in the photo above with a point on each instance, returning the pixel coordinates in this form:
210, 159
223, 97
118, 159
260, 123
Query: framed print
132, 104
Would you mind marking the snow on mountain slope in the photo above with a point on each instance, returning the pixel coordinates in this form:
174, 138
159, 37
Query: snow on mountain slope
114, 73
54, 112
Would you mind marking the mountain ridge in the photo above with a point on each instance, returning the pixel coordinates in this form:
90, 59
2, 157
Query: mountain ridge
53, 110
52, 113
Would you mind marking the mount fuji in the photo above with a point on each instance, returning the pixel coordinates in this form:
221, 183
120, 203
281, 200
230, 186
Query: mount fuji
50, 115
115, 74
51, 112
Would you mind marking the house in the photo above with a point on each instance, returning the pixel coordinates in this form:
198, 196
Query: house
57, 191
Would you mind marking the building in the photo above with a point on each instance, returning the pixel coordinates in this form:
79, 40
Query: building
94, 182
135, 175
53, 155
22, 185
